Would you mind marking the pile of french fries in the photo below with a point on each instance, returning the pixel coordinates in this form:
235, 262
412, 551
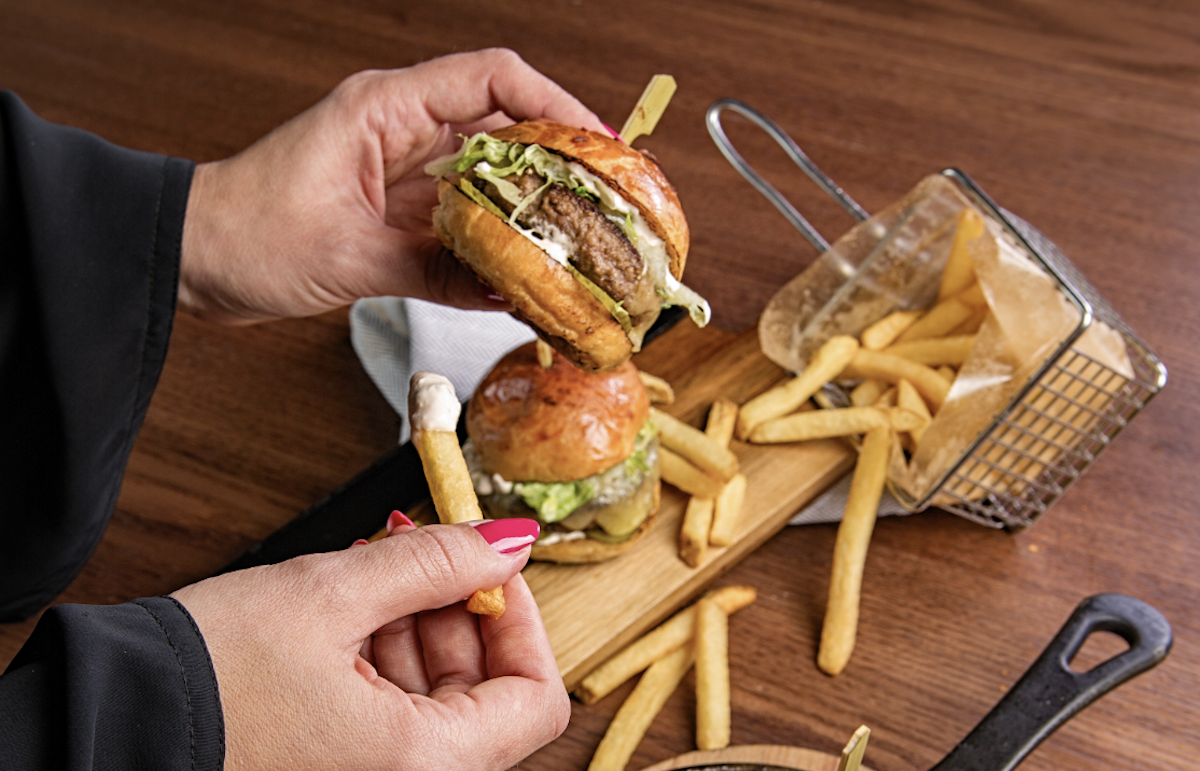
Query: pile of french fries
696, 635
906, 362
700, 464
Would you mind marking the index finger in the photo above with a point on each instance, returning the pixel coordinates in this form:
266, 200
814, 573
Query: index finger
465, 88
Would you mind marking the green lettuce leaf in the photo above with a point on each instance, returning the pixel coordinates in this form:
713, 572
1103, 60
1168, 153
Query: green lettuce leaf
554, 501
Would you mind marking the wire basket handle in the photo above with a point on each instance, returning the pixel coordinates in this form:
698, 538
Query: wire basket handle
713, 120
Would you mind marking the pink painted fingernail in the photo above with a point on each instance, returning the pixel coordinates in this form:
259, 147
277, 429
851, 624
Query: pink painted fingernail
508, 535
397, 519
360, 542
612, 131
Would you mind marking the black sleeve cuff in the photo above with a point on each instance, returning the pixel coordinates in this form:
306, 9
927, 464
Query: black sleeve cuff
118, 686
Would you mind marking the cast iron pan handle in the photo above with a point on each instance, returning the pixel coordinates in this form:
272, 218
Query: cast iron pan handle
1050, 693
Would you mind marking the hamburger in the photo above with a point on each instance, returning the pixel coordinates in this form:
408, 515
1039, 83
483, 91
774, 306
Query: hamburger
580, 232
573, 449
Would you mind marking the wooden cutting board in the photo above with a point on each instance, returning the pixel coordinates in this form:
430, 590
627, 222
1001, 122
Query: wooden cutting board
591, 611
767, 754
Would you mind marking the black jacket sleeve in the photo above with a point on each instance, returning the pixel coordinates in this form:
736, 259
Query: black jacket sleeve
90, 236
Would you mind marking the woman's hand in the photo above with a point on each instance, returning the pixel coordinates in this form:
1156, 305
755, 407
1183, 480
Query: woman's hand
334, 205
367, 658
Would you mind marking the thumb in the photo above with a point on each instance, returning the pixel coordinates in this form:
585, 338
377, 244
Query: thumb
423, 569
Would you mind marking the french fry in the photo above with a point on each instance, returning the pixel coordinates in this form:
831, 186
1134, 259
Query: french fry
659, 390
960, 269
545, 354
908, 399
973, 324
680, 472
885, 366
692, 444
433, 411
712, 676
634, 717
647, 649
726, 509
722, 417
884, 332
850, 552
940, 319
973, 296
825, 365
867, 392
887, 399
935, 351
947, 372
819, 424
693, 536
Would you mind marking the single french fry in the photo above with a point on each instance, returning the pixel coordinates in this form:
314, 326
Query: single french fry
693, 536
726, 509
545, 354
644, 651
819, 424
935, 351
432, 408
960, 269
449, 481
634, 717
867, 392
692, 444
659, 390
680, 472
884, 332
850, 552
886, 366
940, 319
825, 365
712, 676
887, 399
908, 399
722, 417
947, 372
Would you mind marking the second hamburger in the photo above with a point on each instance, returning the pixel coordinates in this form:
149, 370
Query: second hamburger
575, 450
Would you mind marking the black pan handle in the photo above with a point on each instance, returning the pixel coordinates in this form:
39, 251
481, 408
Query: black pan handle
1050, 693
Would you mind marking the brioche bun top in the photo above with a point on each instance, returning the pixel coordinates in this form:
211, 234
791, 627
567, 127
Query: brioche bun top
532, 424
633, 175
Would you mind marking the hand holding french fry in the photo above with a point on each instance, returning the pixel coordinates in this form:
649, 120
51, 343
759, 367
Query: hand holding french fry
433, 409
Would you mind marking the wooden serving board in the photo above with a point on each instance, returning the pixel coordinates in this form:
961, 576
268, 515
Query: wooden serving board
591, 611
766, 754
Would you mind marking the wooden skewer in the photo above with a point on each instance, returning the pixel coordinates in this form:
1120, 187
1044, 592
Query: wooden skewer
854, 750
649, 108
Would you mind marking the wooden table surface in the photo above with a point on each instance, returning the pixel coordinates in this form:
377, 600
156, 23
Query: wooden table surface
1082, 116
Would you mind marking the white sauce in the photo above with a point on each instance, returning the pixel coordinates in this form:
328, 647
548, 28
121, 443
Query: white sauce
432, 403
550, 538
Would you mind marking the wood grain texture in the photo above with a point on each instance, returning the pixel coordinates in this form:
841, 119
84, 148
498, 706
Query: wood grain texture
785, 757
1078, 115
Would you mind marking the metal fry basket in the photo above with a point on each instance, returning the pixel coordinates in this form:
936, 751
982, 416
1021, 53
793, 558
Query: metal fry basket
1060, 419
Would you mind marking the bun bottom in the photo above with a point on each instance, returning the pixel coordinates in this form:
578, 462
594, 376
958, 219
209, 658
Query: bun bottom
584, 551
543, 293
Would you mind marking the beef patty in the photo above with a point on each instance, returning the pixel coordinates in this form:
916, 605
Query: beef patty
603, 252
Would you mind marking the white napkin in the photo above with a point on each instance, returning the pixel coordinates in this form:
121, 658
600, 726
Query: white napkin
395, 337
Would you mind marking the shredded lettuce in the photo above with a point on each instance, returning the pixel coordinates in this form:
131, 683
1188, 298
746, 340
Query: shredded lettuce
675, 293
639, 461
614, 307
554, 501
